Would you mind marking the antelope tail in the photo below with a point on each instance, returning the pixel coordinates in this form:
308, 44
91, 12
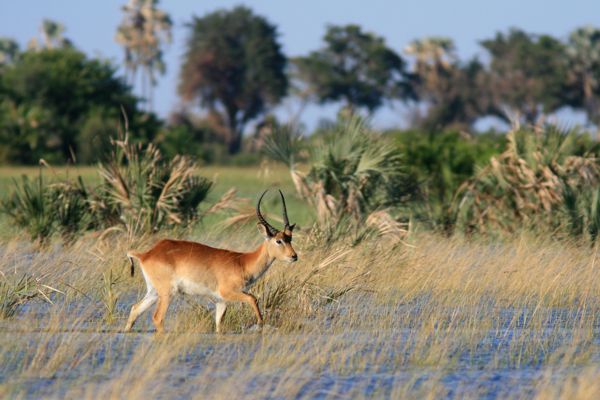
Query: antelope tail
131, 255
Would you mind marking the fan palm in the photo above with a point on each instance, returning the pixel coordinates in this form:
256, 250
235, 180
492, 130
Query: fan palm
147, 192
530, 182
143, 32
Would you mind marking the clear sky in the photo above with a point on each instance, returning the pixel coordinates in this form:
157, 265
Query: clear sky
91, 25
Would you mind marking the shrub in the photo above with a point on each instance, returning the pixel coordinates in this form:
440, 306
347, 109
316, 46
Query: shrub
194, 137
441, 162
140, 191
532, 183
43, 209
146, 192
354, 172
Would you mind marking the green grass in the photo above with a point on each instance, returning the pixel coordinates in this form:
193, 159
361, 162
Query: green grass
249, 182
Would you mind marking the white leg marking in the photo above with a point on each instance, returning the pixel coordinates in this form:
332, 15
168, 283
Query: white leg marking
138, 308
219, 311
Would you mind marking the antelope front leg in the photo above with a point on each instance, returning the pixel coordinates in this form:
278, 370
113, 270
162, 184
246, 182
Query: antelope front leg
246, 298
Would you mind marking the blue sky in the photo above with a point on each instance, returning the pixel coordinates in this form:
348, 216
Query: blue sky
92, 24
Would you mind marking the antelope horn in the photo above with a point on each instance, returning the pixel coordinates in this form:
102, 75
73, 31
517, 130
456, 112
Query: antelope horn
286, 222
261, 219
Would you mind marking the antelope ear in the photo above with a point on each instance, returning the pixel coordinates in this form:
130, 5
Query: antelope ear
264, 231
291, 227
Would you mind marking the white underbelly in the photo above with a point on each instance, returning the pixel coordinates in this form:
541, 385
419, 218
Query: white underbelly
194, 288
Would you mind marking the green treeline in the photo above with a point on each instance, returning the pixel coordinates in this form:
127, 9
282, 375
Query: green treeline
62, 105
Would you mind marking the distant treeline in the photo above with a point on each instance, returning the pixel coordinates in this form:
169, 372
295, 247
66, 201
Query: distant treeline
59, 104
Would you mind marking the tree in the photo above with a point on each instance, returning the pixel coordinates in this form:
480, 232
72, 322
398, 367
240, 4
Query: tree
433, 54
47, 98
235, 67
142, 33
584, 70
453, 93
51, 34
528, 74
9, 50
355, 67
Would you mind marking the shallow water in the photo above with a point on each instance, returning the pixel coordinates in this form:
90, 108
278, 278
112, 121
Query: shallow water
382, 362
363, 346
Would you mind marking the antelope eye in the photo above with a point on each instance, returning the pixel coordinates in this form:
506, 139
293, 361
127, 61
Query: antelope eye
278, 241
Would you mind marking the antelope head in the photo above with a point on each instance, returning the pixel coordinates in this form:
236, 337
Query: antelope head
279, 243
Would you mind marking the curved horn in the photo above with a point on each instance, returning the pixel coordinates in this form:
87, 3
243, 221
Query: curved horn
261, 219
286, 222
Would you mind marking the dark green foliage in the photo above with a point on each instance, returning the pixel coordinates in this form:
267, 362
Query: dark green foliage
43, 209
357, 167
441, 163
354, 67
9, 51
54, 101
30, 207
528, 74
176, 140
94, 135
71, 208
191, 136
284, 144
235, 67
579, 211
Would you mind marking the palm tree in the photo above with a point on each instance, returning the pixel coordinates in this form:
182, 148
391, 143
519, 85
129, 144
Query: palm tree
432, 51
435, 57
584, 59
51, 35
143, 32
442, 83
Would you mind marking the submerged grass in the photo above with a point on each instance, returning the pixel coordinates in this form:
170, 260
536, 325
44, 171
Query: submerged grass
445, 318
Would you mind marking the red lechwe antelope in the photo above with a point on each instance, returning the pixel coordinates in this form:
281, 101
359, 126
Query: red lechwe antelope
194, 268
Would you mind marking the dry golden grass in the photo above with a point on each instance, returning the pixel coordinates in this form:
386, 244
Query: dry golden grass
445, 318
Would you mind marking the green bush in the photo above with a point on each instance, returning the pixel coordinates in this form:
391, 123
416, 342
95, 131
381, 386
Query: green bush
441, 162
355, 175
146, 192
31, 207
140, 191
546, 179
191, 137
54, 101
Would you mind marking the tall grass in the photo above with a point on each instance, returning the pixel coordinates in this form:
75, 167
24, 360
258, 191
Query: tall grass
447, 317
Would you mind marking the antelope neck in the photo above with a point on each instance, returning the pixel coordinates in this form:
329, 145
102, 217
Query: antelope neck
257, 261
